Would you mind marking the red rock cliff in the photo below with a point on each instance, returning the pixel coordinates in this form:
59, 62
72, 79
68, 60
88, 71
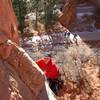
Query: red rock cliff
20, 76
68, 13
8, 23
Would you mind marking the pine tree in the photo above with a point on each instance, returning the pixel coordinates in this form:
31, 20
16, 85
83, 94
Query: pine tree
44, 9
20, 7
49, 8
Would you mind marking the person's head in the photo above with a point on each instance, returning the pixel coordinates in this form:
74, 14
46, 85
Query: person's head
68, 33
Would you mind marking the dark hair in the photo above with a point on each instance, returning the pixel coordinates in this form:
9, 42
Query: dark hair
68, 33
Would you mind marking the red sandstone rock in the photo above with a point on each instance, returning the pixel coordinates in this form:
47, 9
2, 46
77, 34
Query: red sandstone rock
20, 77
8, 23
8, 26
68, 13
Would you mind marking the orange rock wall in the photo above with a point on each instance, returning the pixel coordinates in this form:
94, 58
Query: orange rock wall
68, 13
8, 23
20, 76
69, 10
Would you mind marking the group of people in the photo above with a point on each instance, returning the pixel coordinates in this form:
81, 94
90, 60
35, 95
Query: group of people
72, 38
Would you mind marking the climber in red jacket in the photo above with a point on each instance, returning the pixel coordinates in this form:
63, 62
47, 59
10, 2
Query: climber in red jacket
51, 71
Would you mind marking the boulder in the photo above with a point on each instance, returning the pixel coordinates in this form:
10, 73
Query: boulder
20, 76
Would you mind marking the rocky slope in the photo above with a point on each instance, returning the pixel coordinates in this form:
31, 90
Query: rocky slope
80, 70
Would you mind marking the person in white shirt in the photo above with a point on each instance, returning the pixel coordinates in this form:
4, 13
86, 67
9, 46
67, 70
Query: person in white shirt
69, 38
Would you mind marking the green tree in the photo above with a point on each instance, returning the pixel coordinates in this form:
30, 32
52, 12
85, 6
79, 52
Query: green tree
50, 14
35, 6
20, 7
44, 6
44, 9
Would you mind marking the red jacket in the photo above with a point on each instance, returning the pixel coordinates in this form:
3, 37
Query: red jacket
50, 69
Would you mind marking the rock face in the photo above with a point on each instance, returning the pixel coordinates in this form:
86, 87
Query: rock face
11, 86
8, 26
20, 77
68, 13
8, 23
